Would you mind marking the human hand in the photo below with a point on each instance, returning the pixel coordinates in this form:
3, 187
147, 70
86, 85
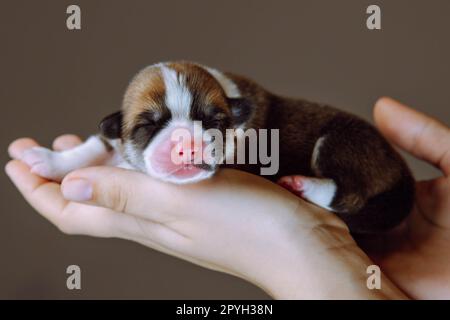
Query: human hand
235, 222
416, 255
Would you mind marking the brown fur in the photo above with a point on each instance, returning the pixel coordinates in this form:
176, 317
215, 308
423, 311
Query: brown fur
375, 188
204, 87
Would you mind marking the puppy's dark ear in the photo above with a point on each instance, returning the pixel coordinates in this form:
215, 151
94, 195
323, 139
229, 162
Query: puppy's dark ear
111, 126
241, 110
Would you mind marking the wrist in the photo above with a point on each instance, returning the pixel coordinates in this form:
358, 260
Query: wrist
320, 260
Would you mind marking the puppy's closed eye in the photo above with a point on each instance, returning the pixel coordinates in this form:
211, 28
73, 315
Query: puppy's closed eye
147, 125
142, 134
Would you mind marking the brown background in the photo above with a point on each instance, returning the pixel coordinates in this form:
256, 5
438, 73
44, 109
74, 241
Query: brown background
54, 81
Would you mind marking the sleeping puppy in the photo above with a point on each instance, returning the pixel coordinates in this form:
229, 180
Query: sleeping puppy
330, 158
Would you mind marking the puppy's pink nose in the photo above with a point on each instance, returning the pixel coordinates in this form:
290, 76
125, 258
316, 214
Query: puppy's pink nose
187, 151
179, 149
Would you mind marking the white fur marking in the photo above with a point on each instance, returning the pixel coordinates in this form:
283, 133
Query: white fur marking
230, 88
319, 191
178, 98
315, 154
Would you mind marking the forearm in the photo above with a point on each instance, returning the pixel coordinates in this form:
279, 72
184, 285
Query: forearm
337, 273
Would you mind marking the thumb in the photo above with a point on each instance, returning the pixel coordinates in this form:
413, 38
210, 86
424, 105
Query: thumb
121, 190
415, 132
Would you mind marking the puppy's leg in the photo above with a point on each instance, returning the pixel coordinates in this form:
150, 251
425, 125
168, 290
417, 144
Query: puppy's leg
54, 165
338, 185
318, 191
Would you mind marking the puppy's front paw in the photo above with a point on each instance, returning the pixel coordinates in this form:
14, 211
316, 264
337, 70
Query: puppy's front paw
43, 162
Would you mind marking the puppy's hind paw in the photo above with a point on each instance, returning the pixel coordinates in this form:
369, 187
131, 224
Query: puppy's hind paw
316, 190
43, 162
295, 184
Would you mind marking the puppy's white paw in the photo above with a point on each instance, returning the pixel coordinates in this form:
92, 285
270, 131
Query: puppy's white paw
44, 162
316, 190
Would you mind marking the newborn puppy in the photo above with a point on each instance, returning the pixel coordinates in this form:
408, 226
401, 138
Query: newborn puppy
330, 158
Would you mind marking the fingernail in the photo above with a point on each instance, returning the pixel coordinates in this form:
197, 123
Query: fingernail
77, 190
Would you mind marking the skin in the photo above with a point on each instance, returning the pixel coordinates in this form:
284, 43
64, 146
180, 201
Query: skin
251, 228
416, 255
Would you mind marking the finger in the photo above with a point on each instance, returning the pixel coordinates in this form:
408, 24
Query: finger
65, 142
77, 218
415, 132
43, 195
17, 147
123, 190
84, 219
102, 222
